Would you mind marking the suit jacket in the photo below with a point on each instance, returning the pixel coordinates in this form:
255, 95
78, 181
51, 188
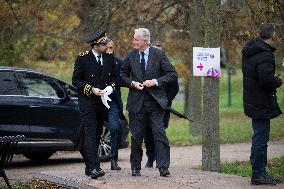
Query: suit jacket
117, 92
158, 67
88, 73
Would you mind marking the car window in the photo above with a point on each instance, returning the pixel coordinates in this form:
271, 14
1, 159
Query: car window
41, 86
70, 90
8, 83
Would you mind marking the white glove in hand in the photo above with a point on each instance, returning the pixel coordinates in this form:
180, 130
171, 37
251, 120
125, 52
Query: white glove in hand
108, 90
105, 98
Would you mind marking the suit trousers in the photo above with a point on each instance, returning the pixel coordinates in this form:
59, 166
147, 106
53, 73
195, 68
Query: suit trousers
260, 138
149, 140
93, 124
153, 114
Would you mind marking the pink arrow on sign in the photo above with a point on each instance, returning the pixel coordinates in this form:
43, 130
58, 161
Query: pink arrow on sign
200, 66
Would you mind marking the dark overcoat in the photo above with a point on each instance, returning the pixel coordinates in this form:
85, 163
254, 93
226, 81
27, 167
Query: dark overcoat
259, 80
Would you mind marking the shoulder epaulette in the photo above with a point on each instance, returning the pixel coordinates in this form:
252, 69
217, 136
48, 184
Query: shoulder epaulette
83, 53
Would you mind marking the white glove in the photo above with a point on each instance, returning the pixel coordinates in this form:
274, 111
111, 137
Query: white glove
105, 98
108, 90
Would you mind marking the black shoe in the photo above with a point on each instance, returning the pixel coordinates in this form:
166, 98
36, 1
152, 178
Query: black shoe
276, 180
263, 180
164, 172
149, 164
114, 165
94, 174
136, 172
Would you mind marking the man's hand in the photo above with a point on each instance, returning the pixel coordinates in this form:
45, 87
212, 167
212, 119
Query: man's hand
97, 91
137, 85
149, 83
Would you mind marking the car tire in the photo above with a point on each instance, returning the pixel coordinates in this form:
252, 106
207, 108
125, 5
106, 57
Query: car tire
105, 145
38, 156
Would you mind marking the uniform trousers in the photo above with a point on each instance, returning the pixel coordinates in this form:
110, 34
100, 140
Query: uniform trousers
93, 122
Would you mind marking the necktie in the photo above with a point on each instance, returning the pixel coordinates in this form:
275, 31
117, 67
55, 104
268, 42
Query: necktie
143, 63
99, 62
99, 59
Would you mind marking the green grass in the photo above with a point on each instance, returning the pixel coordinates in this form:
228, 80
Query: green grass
232, 130
275, 168
35, 183
234, 125
62, 70
18, 185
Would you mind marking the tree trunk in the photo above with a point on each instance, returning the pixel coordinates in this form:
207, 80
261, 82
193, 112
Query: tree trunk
196, 40
210, 139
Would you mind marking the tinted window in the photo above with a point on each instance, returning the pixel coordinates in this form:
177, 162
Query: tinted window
41, 86
70, 90
8, 83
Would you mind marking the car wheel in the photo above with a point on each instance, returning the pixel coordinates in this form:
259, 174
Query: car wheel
105, 146
38, 156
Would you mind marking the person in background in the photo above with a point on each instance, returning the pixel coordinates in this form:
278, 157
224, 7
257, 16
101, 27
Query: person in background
145, 71
171, 90
259, 97
115, 111
95, 79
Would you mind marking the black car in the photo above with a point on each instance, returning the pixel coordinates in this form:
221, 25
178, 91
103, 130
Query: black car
45, 110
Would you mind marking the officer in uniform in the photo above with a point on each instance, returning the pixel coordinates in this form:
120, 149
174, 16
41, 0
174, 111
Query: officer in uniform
95, 78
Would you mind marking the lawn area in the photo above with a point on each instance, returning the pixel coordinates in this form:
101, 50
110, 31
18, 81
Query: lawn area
234, 125
275, 168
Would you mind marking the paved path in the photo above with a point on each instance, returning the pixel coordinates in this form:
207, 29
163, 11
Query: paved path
182, 175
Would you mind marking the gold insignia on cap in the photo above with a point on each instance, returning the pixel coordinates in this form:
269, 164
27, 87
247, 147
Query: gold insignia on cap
103, 38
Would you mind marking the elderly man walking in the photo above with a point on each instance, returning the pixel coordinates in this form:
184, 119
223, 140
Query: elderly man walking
145, 71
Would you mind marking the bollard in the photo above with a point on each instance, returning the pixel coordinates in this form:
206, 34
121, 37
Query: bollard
230, 72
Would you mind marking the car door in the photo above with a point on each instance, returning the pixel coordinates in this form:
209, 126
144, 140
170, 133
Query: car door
52, 114
13, 109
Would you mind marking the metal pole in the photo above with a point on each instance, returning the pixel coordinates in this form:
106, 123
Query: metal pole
230, 71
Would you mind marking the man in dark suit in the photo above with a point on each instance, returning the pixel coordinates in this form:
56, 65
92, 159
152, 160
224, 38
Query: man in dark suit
145, 71
171, 90
115, 111
94, 77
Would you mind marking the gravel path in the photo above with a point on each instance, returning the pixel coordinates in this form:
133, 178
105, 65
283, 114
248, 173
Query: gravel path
68, 168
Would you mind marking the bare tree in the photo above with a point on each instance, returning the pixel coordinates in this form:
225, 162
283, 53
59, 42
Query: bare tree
210, 139
196, 40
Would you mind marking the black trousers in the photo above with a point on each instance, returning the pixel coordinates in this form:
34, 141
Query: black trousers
151, 113
260, 138
149, 140
93, 122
